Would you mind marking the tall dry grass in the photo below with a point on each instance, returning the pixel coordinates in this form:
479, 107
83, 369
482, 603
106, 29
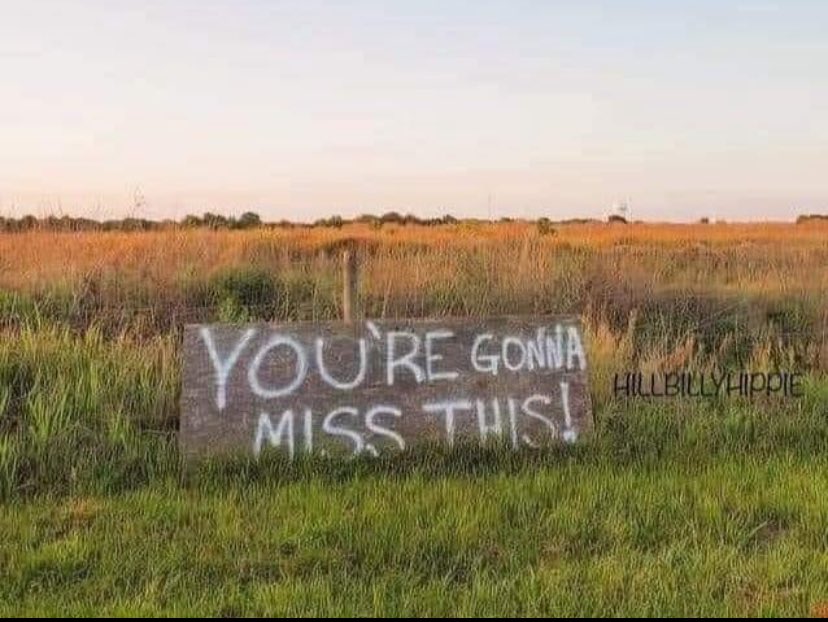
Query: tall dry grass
414, 271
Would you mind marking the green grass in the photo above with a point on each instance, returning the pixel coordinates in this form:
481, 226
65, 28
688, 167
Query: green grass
674, 508
738, 535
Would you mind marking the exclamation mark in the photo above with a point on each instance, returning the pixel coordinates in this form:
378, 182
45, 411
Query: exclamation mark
570, 434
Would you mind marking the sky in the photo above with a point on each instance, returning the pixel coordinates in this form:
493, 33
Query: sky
513, 108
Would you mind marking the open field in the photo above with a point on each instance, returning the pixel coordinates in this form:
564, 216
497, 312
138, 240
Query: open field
683, 506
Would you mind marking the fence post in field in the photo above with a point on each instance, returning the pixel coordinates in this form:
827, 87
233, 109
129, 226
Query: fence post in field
349, 285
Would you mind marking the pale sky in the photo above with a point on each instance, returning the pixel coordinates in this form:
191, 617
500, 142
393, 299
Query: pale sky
521, 108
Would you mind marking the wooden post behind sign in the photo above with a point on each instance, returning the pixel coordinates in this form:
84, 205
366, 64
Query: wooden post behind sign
349, 286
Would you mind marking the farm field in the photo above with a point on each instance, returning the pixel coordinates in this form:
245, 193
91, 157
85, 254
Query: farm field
684, 506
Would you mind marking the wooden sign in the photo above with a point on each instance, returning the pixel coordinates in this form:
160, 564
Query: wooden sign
383, 385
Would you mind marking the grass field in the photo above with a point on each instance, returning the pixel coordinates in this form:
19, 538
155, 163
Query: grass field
673, 507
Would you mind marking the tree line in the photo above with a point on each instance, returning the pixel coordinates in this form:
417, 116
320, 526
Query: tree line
252, 220
208, 220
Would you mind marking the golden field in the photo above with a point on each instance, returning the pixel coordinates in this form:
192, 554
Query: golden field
402, 262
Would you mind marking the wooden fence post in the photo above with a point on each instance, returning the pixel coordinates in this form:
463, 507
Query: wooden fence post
350, 301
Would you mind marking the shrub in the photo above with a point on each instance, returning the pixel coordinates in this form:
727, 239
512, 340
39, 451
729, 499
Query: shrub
545, 227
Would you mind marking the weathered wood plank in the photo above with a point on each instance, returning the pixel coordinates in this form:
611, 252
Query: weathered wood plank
383, 385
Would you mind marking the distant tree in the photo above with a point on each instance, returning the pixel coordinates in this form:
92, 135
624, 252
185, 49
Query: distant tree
334, 221
616, 218
806, 218
135, 224
448, 219
392, 218
191, 220
704, 221
215, 221
28, 222
545, 226
249, 220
